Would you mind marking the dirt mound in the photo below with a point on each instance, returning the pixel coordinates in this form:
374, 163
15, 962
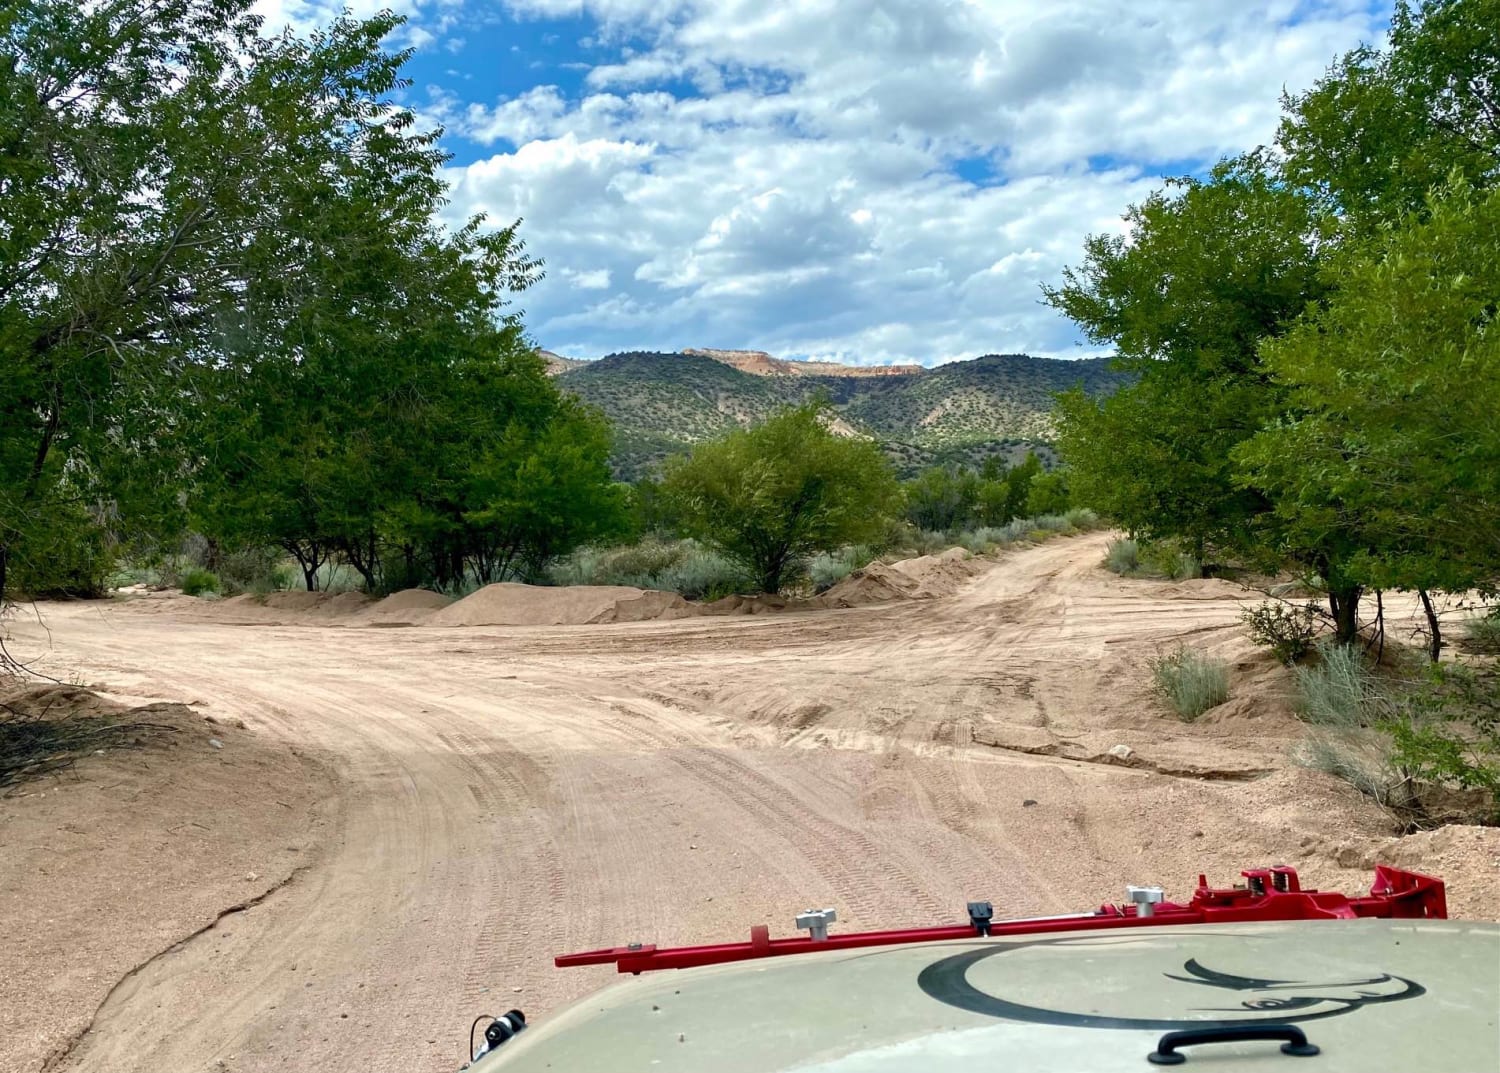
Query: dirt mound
284, 607
922, 578
405, 608
650, 605
939, 575
21, 702
871, 584
510, 604
760, 605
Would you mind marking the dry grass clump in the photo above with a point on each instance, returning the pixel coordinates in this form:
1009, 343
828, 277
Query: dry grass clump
1190, 682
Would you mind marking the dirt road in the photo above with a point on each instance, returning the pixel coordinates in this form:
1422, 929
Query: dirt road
504, 795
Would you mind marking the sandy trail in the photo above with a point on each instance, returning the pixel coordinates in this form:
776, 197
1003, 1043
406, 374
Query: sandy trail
507, 794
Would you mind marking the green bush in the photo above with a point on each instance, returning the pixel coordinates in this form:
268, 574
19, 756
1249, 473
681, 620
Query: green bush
827, 569
1482, 634
1164, 559
196, 581
69, 554
255, 569
772, 496
1285, 629
683, 566
1340, 691
1123, 556
278, 578
1446, 733
1404, 740
1191, 683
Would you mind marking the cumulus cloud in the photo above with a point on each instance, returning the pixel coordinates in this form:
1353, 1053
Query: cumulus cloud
883, 180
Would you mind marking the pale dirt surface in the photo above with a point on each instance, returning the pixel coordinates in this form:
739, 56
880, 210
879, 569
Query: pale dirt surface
505, 794
112, 862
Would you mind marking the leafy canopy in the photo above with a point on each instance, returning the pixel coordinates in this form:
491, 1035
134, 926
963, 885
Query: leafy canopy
770, 496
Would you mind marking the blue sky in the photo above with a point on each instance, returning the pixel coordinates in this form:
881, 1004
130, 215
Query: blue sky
872, 182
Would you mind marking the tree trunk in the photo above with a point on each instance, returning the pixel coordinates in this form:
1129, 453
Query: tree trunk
1434, 632
363, 555
309, 560
772, 569
1343, 603
1380, 624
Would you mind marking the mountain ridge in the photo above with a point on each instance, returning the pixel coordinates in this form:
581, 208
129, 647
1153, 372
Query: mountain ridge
964, 411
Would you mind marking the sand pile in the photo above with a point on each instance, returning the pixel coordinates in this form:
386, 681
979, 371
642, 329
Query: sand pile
871, 584
758, 605
409, 607
510, 604
284, 607
939, 575
921, 578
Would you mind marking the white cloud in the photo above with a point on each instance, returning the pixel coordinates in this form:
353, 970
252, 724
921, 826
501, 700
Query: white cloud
805, 201
593, 280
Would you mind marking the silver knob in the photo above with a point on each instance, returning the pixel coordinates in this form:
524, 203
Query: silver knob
816, 921
1145, 899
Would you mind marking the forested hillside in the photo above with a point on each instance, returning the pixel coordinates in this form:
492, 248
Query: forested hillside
966, 411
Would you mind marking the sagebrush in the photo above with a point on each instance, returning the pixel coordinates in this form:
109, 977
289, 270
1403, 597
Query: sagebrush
1190, 682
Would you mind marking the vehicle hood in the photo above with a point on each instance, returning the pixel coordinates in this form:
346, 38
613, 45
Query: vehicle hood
1372, 994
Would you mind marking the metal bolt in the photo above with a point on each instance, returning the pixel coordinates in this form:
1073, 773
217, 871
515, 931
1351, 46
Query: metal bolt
816, 921
1145, 899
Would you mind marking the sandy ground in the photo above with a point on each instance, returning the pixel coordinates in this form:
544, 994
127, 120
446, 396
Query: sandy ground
504, 794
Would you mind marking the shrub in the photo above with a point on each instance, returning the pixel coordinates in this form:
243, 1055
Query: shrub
1361, 760
1190, 682
1482, 633
684, 567
1286, 630
1340, 691
277, 579
254, 569
772, 496
1405, 742
66, 553
196, 581
827, 569
1164, 559
1123, 556
1446, 733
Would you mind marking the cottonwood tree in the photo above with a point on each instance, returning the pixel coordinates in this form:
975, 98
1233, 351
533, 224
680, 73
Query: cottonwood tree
770, 496
1217, 273
164, 168
1211, 268
1392, 432
224, 299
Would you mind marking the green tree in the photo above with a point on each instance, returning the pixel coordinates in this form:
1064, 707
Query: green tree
1391, 444
1049, 494
167, 178
1384, 127
1211, 268
770, 496
539, 491
941, 498
1018, 483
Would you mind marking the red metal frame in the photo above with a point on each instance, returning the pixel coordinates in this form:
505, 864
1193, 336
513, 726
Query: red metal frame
1267, 894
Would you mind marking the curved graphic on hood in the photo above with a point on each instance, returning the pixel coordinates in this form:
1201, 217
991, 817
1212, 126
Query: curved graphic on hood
1260, 999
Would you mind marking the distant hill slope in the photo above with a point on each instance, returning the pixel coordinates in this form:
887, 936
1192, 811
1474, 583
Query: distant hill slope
1000, 404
